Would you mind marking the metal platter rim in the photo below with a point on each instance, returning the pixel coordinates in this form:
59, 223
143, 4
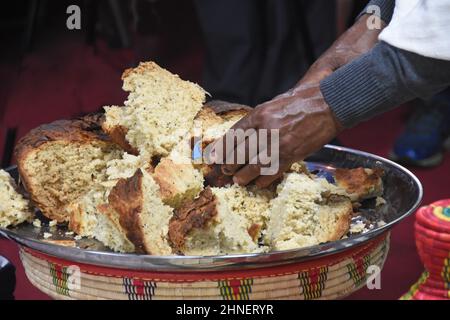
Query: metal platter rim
223, 262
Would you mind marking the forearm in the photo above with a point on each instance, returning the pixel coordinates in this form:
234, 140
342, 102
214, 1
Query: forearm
380, 80
356, 41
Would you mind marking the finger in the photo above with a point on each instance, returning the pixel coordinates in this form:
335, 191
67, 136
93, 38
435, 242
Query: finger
247, 174
265, 181
242, 154
226, 144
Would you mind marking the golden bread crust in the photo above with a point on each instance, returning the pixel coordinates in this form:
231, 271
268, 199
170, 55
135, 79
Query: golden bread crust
360, 183
84, 130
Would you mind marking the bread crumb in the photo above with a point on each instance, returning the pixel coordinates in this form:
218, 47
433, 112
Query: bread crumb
357, 227
381, 223
78, 237
37, 223
47, 235
53, 223
379, 201
69, 233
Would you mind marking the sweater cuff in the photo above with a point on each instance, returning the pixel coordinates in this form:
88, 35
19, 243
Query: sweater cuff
353, 93
386, 9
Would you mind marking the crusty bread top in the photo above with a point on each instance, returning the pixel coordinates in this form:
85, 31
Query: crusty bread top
360, 183
194, 215
85, 129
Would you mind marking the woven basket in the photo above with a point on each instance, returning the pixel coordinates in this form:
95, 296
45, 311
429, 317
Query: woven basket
432, 232
329, 277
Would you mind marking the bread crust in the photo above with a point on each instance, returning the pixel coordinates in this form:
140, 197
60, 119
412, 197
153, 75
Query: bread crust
194, 215
126, 199
83, 130
343, 223
360, 183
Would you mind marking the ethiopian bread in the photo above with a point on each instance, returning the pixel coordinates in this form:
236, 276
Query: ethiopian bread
142, 214
60, 161
158, 112
360, 183
306, 212
14, 208
220, 221
176, 176
89, 215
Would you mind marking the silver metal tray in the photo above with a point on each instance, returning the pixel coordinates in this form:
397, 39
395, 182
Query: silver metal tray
402, 192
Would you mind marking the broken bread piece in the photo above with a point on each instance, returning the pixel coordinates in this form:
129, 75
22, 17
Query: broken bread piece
178, 180
14, 208
158, 112
220, 221
61, 161
142, 214
90, 217
360, 183
305, 213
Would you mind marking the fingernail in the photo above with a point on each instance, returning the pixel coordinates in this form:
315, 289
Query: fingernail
236, 180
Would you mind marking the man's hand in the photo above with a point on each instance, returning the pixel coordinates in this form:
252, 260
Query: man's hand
305, 124
303, 119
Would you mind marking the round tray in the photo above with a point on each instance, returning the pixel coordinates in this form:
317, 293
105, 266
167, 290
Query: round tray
402, 192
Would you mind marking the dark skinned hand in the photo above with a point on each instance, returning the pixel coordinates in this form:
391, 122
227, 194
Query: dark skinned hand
302, 117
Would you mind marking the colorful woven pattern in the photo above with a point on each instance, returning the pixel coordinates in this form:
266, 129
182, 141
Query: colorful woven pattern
432, 232
329, 277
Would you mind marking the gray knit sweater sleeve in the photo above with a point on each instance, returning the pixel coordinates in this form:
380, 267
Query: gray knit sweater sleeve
386, 9
380, 80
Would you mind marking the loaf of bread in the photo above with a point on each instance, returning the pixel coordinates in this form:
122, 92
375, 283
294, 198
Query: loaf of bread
306, 212
61, 161
158, 113
142, 214
220, 221
14, 208
132, 180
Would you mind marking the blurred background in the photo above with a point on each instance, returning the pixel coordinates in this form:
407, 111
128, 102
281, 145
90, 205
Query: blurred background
244, 51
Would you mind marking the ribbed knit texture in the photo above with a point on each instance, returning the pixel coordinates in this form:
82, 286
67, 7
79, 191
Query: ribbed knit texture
386, 9
380, 80
352, 93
